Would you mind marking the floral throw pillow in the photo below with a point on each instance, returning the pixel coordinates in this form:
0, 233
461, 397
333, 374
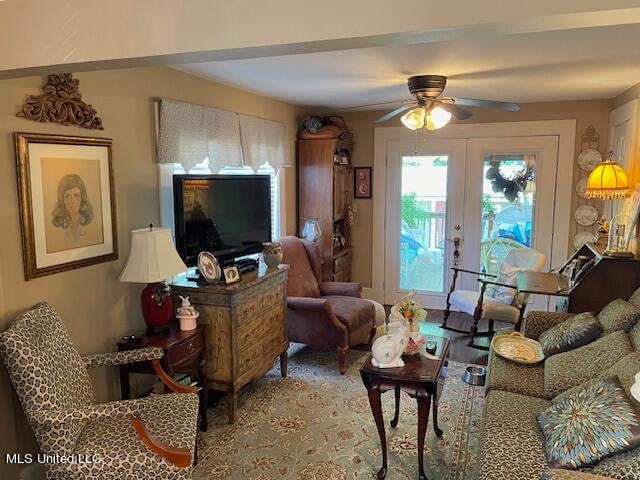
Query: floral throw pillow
574, 332
594, 423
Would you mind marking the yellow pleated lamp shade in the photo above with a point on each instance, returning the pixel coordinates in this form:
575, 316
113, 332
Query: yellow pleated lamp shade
608, 181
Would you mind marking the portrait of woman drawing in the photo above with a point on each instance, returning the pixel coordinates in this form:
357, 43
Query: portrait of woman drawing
73, 210
73, 205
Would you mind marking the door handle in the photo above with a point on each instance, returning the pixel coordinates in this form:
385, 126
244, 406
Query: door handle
456, 251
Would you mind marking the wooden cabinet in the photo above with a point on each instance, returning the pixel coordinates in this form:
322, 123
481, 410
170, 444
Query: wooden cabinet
600, 280
245, 327
325, 191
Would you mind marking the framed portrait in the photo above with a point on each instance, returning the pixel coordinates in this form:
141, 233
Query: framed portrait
362, 182
231, 274
67, 204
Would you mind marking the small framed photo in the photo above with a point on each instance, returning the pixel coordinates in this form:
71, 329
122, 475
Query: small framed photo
67, 204
362, 182
231, 274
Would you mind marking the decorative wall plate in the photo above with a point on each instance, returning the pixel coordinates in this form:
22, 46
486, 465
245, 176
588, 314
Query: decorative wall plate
209, 267
588, 159
583, 237
581, 187
586, 215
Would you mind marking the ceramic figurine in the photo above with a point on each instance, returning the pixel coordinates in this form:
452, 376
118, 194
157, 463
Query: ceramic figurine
272, 254
187, 315
387, 350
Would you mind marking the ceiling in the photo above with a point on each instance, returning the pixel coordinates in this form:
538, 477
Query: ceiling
572, 64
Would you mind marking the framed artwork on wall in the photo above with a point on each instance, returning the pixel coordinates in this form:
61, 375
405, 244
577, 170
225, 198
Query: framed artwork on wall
67, 204
362, 182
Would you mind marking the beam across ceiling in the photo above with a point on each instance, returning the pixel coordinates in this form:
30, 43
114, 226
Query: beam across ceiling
46, 36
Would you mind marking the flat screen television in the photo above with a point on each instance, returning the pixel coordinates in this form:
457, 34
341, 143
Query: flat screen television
227, 215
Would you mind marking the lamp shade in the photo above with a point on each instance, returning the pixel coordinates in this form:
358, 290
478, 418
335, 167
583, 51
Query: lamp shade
153, 257
607, 181
414, 118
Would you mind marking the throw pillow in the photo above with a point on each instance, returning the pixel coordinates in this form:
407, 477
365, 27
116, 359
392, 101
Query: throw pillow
635, 298
618, 315
507, 276
572, 333
625, 369
594, 423
570, 369
634, 334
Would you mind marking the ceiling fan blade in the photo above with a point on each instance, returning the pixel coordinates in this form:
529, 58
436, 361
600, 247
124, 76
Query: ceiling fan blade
393, 113
474, 102
380, 104
458, 112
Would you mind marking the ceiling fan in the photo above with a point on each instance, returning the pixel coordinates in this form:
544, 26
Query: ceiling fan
430, 110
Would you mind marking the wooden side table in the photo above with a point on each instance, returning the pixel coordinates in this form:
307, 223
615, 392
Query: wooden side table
419, 378
183, 352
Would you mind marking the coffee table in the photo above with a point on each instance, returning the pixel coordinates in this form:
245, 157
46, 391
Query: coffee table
419, 379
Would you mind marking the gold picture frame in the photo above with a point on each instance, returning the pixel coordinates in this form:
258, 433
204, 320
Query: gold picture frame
67, 202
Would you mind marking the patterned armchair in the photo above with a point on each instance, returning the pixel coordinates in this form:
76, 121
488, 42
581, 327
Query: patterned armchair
52, 382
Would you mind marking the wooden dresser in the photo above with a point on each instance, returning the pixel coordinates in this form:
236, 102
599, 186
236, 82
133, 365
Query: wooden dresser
246, 327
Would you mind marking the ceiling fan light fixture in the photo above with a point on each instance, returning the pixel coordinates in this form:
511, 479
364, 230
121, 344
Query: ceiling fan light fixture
437, 118
414, 118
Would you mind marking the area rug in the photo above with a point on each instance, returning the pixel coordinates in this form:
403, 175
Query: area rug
317, 425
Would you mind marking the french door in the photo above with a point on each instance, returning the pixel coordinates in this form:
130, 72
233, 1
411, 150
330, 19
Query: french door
425, 210
465, 202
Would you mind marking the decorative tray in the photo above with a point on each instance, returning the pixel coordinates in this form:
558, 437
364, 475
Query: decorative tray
518, 348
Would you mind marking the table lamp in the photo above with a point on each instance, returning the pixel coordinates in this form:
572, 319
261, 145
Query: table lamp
153, 258
608, 181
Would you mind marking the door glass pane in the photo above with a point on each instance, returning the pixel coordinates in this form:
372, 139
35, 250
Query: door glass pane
422, 225
508, 200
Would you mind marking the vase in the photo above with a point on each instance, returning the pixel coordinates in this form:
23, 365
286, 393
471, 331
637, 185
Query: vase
415, 343
272, 254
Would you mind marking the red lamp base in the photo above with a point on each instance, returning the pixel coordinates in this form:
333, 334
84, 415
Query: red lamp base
156, 308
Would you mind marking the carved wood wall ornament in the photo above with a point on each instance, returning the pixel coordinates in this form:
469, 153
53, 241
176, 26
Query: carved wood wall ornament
61, 103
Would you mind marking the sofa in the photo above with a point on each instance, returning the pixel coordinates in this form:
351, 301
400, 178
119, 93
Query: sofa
512, 446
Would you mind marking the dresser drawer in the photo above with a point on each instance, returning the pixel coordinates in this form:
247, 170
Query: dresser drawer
187, 351
249, 309
248, 331
273, 297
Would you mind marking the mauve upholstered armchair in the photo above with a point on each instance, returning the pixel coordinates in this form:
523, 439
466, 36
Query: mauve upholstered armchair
323, 314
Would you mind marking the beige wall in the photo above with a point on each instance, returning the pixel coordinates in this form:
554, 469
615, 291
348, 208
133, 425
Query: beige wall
95, 306
595, 112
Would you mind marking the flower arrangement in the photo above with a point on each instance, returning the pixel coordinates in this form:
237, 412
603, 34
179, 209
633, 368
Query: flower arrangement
411, 312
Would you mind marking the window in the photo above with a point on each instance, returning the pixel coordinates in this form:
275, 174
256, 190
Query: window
167, 170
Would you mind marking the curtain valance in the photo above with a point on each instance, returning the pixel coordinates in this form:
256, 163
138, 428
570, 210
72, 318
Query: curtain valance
264, 141
190, 133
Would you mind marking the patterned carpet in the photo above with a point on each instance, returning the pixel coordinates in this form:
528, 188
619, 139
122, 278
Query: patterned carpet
317, 425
